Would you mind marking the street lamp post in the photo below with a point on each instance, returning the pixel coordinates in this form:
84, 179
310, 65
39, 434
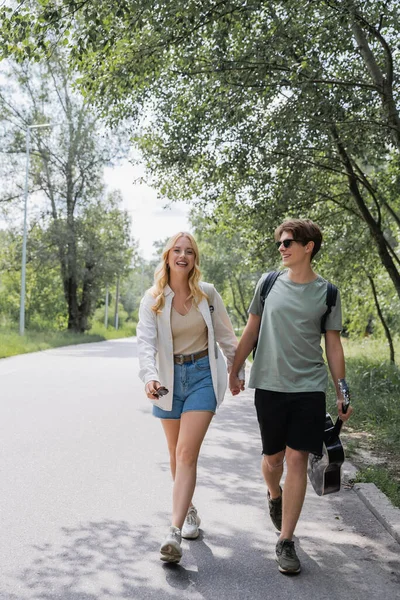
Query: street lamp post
23, 268
106, 310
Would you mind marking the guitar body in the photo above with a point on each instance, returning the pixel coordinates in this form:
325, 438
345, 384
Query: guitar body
325, 472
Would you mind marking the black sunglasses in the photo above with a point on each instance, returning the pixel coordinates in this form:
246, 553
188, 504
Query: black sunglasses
286, 243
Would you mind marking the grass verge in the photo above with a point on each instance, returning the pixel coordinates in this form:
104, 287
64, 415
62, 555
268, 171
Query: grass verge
374, 428
384, 479
11, 343
375, 395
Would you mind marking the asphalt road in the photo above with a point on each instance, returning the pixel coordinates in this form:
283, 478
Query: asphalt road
85, 498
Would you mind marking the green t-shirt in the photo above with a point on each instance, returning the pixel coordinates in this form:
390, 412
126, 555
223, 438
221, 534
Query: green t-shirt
289, 353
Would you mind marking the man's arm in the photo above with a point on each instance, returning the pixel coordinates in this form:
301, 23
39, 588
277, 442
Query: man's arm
335, 358
246, 345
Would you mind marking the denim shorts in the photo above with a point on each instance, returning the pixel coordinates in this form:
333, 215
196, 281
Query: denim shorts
193, 390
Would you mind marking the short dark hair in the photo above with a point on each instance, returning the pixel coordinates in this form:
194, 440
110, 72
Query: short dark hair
303, 230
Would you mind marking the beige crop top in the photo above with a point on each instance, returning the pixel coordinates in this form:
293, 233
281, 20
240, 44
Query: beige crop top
189, 332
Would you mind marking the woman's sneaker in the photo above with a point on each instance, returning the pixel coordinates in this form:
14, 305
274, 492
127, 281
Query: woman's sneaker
190, 529
171, 550
286, 557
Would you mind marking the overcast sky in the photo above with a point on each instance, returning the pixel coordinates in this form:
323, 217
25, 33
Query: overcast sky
151, 221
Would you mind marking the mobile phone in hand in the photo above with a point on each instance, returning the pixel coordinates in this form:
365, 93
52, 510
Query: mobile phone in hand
161, 391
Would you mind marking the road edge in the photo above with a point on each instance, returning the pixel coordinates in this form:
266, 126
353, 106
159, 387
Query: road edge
380, 506
376, 501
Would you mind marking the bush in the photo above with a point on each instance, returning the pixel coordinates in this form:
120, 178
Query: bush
375, 391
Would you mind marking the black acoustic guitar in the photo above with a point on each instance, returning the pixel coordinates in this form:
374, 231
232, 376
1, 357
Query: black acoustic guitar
325, 471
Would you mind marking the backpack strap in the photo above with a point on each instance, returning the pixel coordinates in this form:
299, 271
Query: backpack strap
268, 282
331, 295
266, 286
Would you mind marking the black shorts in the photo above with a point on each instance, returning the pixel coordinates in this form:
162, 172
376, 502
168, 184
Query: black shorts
296, 420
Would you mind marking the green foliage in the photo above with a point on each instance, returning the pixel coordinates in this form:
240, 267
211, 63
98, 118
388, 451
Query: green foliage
348, 259
104, 248
375, 396
11, 343
134, 285
45, 307
375, 392
383, 479
102, 236
254, 112
109, 333
79, 238
259, 110
99, 316
231, 263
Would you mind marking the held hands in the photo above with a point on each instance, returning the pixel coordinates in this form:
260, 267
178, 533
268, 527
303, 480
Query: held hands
236, 385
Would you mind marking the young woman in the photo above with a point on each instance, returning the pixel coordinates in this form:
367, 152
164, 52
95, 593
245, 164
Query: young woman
182, 323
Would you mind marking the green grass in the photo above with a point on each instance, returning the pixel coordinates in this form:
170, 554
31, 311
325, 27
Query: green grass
127, 330
371, 348
11, 343
375, 391
375, 395
383, 479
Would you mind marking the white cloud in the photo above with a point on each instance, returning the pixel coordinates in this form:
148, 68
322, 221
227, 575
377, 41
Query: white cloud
151, 220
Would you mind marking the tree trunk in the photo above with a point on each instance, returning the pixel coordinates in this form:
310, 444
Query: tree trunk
383, 81
374, 228
72, 302
242, 315
382, 318
85, 306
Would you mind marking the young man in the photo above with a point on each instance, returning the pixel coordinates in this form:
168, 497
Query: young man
289, 375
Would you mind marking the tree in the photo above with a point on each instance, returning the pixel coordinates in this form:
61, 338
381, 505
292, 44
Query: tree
134, 286
85, 226
45, 305
262, 108
367, 294
231, 263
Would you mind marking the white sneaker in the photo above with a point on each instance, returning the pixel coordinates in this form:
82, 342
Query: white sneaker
171, 550
190, 529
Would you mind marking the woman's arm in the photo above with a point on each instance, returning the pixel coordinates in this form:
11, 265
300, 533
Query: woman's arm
223, 331
147, 341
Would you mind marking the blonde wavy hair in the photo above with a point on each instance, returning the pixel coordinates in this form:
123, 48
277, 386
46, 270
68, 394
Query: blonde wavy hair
162, 274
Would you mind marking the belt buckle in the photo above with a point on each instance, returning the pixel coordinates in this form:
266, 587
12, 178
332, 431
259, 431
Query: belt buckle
179, 359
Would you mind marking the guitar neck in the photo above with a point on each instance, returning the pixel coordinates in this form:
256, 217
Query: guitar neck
337, 427
344, 388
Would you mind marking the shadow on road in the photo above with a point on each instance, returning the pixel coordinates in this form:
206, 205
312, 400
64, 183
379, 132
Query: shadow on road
97, 560
110, 559
344, 552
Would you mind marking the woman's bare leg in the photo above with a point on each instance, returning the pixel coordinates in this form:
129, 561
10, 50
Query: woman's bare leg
193, 427
171, 429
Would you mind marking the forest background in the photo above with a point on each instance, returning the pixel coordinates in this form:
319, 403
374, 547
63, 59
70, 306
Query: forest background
251, 112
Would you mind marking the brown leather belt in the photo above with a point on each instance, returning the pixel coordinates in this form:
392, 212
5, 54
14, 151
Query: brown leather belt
180, 359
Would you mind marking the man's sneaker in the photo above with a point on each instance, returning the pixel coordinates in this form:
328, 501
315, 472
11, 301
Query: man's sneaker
286, 557
275, 510
190, 529
171, 550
